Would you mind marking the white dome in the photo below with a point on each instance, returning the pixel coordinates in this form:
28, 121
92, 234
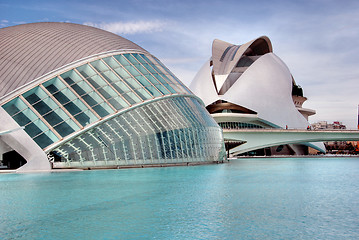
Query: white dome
29, 51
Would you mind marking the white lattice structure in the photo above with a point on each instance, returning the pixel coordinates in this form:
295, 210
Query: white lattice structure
90, 98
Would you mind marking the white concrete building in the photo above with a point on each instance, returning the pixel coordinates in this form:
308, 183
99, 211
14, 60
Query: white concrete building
248, 86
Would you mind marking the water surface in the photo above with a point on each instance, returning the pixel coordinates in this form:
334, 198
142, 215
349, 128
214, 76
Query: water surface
294, 198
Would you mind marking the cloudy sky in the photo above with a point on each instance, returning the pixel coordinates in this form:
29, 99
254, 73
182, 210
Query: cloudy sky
317, 39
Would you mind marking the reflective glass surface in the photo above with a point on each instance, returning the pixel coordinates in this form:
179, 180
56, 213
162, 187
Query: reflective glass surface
172, 130
176, 128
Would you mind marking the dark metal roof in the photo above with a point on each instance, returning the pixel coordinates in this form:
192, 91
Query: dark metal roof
29, 51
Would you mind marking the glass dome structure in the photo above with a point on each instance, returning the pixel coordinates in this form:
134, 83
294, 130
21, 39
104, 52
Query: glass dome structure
109, 108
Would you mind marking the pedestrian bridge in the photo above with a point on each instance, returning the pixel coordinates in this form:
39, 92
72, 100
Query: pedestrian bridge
261, 138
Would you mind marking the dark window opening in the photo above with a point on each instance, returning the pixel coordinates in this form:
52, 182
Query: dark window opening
297, 90
13, 160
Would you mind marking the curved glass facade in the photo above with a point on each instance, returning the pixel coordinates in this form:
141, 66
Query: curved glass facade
171, 130
83, 95
126, 107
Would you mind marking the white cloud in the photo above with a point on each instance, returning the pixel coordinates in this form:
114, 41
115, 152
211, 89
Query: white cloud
130, 27
4, 23
20, 22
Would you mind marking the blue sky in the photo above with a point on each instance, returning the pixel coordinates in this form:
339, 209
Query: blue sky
317, 39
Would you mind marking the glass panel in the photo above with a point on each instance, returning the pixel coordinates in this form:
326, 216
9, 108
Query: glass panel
82, 88
96, 81
85, 117
86, 71
143, 80
133, 70
118, 103
35, 95
143, 94
121, 101
110, 77
172, 87
141, 68
153, 80
149, 67
122, 73
55, 117
99, 66
107, 92
169, 87
35, 128
71, 77
139, 58
25, 117
66, 128
121, 87
151, 62
45, 106
131, 98
160, 78
45, 139
87, 93
111, 62
121, 59
73, 106
153, 91
162, 89
132, 83
102, 109
63, 95
14, 106
91, 99
130, 58
54, 85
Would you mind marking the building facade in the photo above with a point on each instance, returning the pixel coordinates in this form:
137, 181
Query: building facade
248, 86
89, 98
324, 125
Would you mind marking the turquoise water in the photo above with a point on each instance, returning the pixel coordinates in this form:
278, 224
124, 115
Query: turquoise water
244, 199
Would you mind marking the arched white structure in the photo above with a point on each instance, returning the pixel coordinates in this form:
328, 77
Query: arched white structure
251, 80
255, 138
88, 98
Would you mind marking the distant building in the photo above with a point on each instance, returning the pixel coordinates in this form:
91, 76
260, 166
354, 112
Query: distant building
325, 125
248, 86
336, 147
88, 98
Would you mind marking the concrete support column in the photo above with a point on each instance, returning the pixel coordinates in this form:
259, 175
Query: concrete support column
23, 144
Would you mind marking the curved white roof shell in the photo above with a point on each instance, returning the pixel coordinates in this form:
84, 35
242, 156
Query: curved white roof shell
226, 55
264, 87
204, 85
253, 77
29, 51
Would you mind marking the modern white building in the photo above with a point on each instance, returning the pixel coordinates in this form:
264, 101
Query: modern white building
74, 96
248, 86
